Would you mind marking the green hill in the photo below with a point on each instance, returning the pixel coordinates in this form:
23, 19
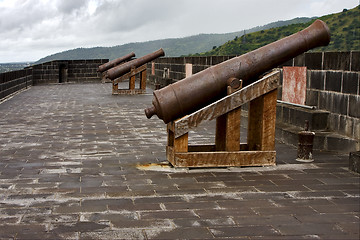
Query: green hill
344, 28
173, 47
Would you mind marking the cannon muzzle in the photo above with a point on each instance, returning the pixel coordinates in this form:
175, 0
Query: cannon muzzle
126, 67
115, 62
192, 93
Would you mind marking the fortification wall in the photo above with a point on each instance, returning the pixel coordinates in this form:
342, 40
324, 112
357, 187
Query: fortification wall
59, 71
11, 82
62, 71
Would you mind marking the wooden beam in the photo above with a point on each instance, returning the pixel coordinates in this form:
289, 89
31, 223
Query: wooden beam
261, 122
225, 159
228, 103
227, 135
131, 73
143, 80
132, 83
212, 147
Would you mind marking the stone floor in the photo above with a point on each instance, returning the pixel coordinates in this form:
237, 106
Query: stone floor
73, 166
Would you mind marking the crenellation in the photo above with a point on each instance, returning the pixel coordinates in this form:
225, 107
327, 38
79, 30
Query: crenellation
354, 109
299, 61
350, 82
355, 61
337, 61
317, 79
333, 81
313, 60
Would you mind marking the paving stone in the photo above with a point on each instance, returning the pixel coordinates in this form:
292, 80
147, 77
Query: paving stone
191, 205
306, 182
196, 222
213, 197
266, 177
302, 202
337, 218
47, 218
166, 214
282, 188
79, 209
10, 219
248, 231
300, 210
350, 228
251, 183
159, 199
12, 231
114, 234
270, 220
228, 204
141, 207
319, 194
205, 185
210, 179
24, 210
216, 213
312, 176
191, 175
126, 219
343, 187
180, 192
320, 229
181, 233
79, 227
264, 195
345, 201
228, 190
349, 208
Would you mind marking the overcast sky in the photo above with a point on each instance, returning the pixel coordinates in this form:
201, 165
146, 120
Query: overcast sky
32, 29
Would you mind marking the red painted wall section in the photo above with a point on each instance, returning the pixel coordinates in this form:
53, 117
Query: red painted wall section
294, 85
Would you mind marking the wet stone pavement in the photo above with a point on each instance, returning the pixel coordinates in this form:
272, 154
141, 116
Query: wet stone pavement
69, 169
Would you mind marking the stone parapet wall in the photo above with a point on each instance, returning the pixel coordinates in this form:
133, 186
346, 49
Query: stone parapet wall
62, 71
337, 61
59, 71
168, 70
344, 61
11, 82
336, 91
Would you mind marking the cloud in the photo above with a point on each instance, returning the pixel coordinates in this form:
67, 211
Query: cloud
31, 29
70, 6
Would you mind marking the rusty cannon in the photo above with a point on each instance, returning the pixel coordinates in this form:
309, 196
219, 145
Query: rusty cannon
115, 62
194, 92
129, 70
122, 69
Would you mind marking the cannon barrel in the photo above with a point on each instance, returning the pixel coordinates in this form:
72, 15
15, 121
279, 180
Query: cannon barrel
115, 62
194, 92
120, 70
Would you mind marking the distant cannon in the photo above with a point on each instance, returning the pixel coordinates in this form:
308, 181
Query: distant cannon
120, 70
115, 62
129, 70
192, 93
